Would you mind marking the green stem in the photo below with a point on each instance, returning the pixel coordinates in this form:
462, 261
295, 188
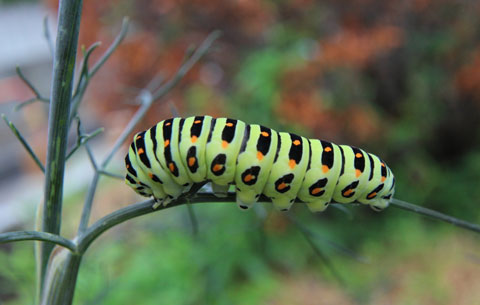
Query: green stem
434, 214
63, 71
61, 278
35, 235
146, 207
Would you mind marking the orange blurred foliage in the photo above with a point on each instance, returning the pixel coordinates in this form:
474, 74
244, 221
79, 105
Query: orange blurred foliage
467, 79
353, 47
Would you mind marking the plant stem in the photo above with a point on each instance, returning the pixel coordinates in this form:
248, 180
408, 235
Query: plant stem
63, 70
434, 214
61, 279
35, 235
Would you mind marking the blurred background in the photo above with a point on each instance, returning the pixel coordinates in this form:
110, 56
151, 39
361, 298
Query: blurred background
400, 79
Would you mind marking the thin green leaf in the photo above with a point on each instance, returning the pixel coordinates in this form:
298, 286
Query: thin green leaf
48, 37
24, 143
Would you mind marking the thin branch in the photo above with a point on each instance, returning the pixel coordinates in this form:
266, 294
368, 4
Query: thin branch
82, 82
147, 98
30, 101
328, 263
342, 208
24, 143
187, 65
112, 175
339, 248
83, 139
27, 82
113, 47
48, 38
87, 206
434, 214
38, 96
156, 81
173, 109
35, 235
86, 74
146, 207
91, 156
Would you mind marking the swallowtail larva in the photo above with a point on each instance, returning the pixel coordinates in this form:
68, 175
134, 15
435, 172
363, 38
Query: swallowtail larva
167, 159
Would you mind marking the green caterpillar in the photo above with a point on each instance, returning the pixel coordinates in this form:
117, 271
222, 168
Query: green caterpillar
167, 159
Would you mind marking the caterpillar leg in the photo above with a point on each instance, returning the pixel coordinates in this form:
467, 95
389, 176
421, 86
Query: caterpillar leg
220, 190
381, 203
282, 203
158, 203
317, 206
246, 198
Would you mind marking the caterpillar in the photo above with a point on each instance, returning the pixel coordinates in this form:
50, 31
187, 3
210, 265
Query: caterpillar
167, 159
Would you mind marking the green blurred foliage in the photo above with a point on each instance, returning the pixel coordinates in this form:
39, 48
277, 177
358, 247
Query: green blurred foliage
247, 257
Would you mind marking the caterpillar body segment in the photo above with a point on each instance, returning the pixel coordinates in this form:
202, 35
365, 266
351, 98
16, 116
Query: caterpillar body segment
254, 162
133, 176
222, 149
354, 173
321, 176
171, 138
288, 170
157, 170
162, 160
192, 147
167, 159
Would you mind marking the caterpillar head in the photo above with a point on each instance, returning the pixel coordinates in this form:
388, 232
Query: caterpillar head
138, 187
132, 180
